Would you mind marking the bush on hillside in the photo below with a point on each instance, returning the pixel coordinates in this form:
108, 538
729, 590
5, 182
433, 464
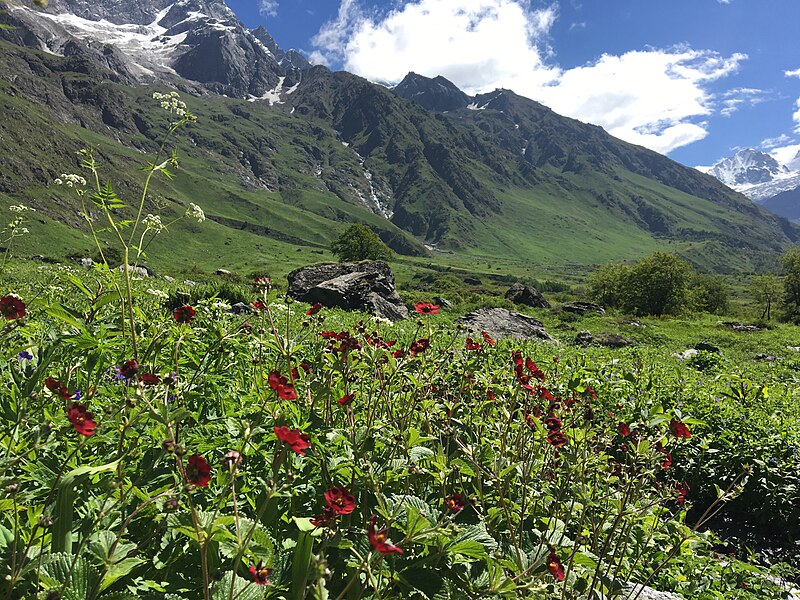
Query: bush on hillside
359, 242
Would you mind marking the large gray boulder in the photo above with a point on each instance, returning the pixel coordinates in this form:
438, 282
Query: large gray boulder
523, 294
502, 323
365, 286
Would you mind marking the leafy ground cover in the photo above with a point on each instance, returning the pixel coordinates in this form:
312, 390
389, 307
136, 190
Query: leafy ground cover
302, 452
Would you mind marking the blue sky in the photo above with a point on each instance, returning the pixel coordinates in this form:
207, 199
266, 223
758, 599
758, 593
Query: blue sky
695, 79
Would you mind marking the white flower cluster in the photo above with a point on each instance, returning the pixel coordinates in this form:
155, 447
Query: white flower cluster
70, 180
153, 223
18, 208
171, 102
158, 294
195, 212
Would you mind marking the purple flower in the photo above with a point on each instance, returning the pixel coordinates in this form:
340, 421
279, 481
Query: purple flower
24, 355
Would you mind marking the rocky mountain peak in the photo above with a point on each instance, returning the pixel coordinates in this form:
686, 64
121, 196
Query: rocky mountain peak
746, 168
436, 94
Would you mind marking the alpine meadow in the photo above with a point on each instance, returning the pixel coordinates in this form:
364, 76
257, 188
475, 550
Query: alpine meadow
275, 327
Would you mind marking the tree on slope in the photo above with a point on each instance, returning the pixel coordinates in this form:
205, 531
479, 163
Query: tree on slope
359, 242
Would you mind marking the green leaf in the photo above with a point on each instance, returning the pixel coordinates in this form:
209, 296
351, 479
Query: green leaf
242, 589
300, 564
73, 572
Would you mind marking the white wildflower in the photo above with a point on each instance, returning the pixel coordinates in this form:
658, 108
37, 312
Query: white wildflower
158, 294
18, 208
70, 180
153, 223
195, 212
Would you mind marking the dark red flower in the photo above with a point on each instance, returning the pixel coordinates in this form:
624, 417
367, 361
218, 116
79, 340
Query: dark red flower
345, 400
298, 442
667, 462
339, 501
556, 438
281, 386
420, 346
682, 491
315, 308
184, 314
472, 345
623, 429
129, 369
488, 339
426, 308
380, 539
149, 379
327, 518
12, 307
399, 353
260, 574
679, 429
258, 305
82, 420
455, 502
198, 471
555, 567
55, 386
552, 423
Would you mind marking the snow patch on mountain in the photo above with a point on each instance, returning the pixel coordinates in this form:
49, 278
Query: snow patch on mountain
756, 174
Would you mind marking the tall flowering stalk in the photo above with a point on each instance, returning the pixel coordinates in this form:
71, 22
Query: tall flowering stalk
104, 198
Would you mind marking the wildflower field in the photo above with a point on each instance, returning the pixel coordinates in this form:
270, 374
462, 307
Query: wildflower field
156, 444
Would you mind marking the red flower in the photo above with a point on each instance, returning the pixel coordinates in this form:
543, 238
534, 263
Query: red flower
55, 386
129, 369
258, 305
149, 379
325, 519
556, 438
682, 490
184, 314
380, 539
315, 308
426, 308
339, 501
198, 471
420, 346
345, 400
472, 345
623, 429
262, 282
12, 307
667, 463
455, 502
679, 430
82, 420
552, 423
299, 442
555, 567
488, 339
260, 574
281, 386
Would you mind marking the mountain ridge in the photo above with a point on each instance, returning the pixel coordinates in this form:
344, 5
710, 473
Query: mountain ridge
502, 176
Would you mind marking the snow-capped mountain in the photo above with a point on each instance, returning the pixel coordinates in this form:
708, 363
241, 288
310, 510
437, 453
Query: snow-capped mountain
756, 174
156, 40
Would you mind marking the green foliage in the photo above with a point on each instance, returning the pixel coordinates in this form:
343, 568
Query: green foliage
359, 242
767, 291
656, 285
791, 284
709, 293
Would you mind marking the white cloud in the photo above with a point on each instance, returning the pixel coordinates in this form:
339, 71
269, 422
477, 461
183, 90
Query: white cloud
775, 142
724, 1
785, 154
795, 73
268, 8
734, 99
653, 97
796, 116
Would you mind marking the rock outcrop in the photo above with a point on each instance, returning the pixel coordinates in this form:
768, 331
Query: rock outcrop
502, 323
365, 286
523, 294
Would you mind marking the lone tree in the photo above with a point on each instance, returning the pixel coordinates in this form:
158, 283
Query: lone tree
791, 284
359, 242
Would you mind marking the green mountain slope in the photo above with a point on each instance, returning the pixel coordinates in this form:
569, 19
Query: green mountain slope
279, 183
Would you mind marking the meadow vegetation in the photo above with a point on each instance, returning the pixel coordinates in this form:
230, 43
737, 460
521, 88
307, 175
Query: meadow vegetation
154, 444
